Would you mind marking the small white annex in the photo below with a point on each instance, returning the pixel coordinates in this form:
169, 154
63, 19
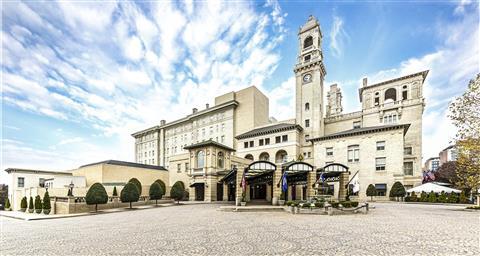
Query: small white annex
429, 187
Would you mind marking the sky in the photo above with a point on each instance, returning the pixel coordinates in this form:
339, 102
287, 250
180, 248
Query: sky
78, 78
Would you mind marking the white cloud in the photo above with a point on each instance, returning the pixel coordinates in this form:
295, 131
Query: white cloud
338, 36
133, 48
282, 100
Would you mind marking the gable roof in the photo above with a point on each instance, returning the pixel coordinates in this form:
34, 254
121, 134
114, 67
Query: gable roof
269, 129
129, 164
209, 143
363, 130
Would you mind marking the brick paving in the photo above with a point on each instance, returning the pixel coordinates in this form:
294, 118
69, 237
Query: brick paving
390, 229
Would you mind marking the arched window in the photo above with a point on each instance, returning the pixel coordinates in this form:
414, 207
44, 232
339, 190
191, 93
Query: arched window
264, 156
249, 156
281, 156
390, 95
308, 42
200, 159
220, 160
307, 106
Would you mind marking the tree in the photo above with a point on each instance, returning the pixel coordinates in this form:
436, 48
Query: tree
424, 197
38, 204
7, 204
465, 114
114, 191
442, 198
96, 194
177, 192
447, 173
463, 198
371, 191
46, 203
30, 205
162, 184
129, 194
432, 197
23, 204
397, 190
137, 184
156, 192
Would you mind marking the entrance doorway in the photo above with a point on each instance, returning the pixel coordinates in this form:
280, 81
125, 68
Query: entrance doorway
199, 192
219, 192
258, 191
231, 192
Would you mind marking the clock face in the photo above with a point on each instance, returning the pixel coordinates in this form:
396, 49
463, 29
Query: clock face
307, 78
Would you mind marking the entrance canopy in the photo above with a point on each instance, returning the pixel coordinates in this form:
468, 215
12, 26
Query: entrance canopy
230, 177
429, 187
258, 168
330, 172
297, 172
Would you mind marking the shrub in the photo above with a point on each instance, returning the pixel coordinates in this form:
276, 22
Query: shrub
162, 184
114, 191
289, 203
178, 191
463, 198
7, 204
397, 190
423, 197
334, 204
306, 205
346, 204
413, 197
371, 191
38, 204
319, 204
129, 193
30, 205
442, 198
137, 184
156, 192
23, 204
354, 204
96, 194
432, 197
46, 202
453, 198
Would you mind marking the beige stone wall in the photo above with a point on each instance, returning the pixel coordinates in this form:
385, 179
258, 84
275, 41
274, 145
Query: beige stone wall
252, 110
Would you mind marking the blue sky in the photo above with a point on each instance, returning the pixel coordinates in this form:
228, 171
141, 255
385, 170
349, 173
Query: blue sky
78, 79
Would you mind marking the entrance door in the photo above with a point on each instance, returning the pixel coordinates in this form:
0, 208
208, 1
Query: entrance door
258, 191
199, 192
219, 192
294, 192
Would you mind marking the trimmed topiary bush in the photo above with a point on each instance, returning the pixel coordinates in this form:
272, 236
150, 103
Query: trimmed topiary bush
319, 204
354, 204
442, 198
114, 191
413, 197
162, 184
424, 197
155, 192
7, 204
346, 204
46, 203
137, 184
23, 204
38, 204
397, 190
30, 205
453, 198
177, 192
432, 197
371, 191
334, 204
129, 194
96, 195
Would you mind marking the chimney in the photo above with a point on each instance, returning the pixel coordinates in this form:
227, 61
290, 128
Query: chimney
194, 110
162, 122
364, 82
207, 106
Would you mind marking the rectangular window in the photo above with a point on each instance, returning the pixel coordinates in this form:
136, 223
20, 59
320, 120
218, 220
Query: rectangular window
267, 141
41, 182
21, 182
245, 144
284, 138
223, 138
408, 168
329, 151
278, 139
353, 153
251, 144
186, 167
404, 95
309, 154
356, 124
307, 123
380, 145
380, 163
381, 189
407, 150
260, 142
179, 167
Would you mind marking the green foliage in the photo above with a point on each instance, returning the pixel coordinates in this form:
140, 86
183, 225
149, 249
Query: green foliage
289, 203
30, 203
371, 191
319, 204
129, 193
137, 184
7, 204
162, 184
463, 198
156, 191
442, 198
334, 204
178, 191
114, 191
96, 194
424, 197
346, 204
453, 198
354, 204
397, 190
23, 203
38, 204
432, 197
412, 197
46, 201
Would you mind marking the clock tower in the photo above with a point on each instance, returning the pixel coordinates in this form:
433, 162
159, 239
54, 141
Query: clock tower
309, 75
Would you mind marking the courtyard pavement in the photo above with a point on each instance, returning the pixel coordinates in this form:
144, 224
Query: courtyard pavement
200, 229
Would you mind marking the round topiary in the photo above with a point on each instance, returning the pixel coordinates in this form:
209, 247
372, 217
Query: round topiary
23, 204
442, 198
129, 194
432, 197
137, 184
371, 191
178, 191
46, 203
96, 194
38, 204
30, 205
162, 184
7, 204
397, 190
424, 197
453, 198
155, 192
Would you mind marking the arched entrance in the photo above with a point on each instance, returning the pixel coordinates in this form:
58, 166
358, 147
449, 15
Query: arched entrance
332, 181
259, 181
297, 180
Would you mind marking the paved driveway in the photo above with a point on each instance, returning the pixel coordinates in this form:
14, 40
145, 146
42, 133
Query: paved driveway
390, 229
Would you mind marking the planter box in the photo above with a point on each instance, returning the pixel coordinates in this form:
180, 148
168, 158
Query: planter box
46, 211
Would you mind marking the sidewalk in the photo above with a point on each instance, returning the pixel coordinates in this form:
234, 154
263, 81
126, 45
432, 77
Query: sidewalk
35, 216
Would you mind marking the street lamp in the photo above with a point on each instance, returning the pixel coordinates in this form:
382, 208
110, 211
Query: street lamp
71, 188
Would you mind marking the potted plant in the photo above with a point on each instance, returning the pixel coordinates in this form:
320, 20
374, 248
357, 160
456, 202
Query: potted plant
281, 201
23, 204
7, 205
243, 202
46, 203
30, 205
38, 204
289, 206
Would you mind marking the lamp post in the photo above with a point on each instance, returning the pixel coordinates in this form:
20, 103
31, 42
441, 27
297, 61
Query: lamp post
71, 188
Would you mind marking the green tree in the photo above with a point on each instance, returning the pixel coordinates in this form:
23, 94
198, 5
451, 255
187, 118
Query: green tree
30, 205
447, 173
432, 197
463, 198
442, 198
156, 192
129, 194
38, 204
96, 194
7, 204
178, 191
23, 204
162, 184
371, 191
137, 184
114, 191
424, 197
397, 190
46, 203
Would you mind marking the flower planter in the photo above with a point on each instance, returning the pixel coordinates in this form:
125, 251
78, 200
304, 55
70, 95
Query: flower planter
38, 211
46, 211
281, 202
296, 210
243, 203
30, 210
23, 209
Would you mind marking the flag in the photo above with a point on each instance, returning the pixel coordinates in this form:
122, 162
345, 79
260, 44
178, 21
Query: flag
284, 182
431, 175
244, 182
356, 184
321, 177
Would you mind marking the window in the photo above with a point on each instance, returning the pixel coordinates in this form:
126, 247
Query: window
245, 144
278, 139
407, 150
260, 142
251, 144
309, 154
223, 138
220, 160
186, 167
307, 106
329, 151
307, 123
377, 98
380, 145
381, 189
267, 141
307, 58
408, 168
390, 118
353, 153
380, 163
284, 138
390, 95
21, 182
356, 124
307, 42
179, 167
200, 159
404, 95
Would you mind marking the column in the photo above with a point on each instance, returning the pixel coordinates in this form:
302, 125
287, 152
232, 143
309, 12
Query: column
211, 189
191, 193
277, 175
225, 191
269, 193
311, 179
238, 194
342, 191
